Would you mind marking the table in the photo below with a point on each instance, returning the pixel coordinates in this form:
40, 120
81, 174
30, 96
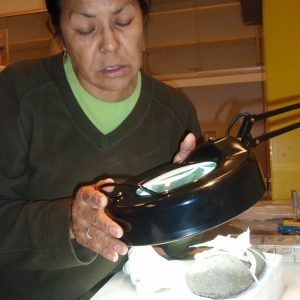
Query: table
281, 281
291, 278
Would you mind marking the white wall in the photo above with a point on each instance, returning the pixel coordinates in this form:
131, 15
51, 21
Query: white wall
217, 105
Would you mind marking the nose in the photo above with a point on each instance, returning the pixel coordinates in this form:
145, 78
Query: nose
110, 41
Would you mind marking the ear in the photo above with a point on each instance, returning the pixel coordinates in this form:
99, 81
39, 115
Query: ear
56, 46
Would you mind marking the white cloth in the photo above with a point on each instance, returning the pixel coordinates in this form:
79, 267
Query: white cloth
237, 247
149, 272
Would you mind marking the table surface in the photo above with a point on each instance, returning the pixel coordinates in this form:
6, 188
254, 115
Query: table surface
119, 286
291, 277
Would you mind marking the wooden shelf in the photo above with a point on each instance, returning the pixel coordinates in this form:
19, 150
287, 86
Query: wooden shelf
29, 44
159, 48
23, 12
214, 77
194, 9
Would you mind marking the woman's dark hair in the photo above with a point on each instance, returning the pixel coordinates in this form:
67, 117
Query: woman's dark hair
54, 9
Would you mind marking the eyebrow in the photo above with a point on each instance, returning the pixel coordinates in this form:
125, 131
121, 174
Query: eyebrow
83, 14
88, 15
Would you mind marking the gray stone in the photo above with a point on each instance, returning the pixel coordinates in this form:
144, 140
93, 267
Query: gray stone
221, 276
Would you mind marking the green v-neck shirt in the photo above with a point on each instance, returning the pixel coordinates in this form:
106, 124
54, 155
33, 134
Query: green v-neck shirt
106, 116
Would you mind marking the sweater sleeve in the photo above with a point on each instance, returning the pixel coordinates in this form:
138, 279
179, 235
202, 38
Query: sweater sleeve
34, 233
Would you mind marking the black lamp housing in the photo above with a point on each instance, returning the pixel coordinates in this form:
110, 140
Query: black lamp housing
234, 185
221, 179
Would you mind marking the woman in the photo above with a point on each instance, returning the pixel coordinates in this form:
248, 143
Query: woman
68, 124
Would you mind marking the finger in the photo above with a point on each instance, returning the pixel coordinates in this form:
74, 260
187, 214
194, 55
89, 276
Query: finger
103, 244
92, 197
106, 181
101, 241
186, 147
106, 224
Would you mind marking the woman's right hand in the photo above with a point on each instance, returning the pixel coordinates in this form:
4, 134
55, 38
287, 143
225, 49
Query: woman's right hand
92, 227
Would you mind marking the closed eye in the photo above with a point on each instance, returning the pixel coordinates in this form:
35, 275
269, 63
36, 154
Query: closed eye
88, 32
124, 24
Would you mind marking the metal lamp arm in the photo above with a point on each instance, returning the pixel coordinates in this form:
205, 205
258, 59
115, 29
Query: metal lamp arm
244, 133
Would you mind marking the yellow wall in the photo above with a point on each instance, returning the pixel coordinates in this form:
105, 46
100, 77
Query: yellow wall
282, 57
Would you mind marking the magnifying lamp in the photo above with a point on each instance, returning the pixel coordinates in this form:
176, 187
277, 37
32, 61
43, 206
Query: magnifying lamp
218, 181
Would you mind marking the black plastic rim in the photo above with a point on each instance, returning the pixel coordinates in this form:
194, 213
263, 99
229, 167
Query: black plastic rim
235, 185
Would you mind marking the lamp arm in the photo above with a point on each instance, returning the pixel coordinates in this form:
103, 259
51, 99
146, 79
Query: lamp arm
253, 142
244, 134
276, 112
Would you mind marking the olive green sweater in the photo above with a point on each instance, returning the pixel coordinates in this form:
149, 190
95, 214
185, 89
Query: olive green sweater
48, 148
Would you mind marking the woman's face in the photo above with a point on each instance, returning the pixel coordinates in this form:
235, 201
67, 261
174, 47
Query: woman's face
104, 39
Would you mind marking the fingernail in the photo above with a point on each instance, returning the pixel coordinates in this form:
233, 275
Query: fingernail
121, 250
112, 256
115, 232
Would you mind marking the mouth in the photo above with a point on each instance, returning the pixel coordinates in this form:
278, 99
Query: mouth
114, 70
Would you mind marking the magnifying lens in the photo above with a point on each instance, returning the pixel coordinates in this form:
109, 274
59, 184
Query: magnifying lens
220, 180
